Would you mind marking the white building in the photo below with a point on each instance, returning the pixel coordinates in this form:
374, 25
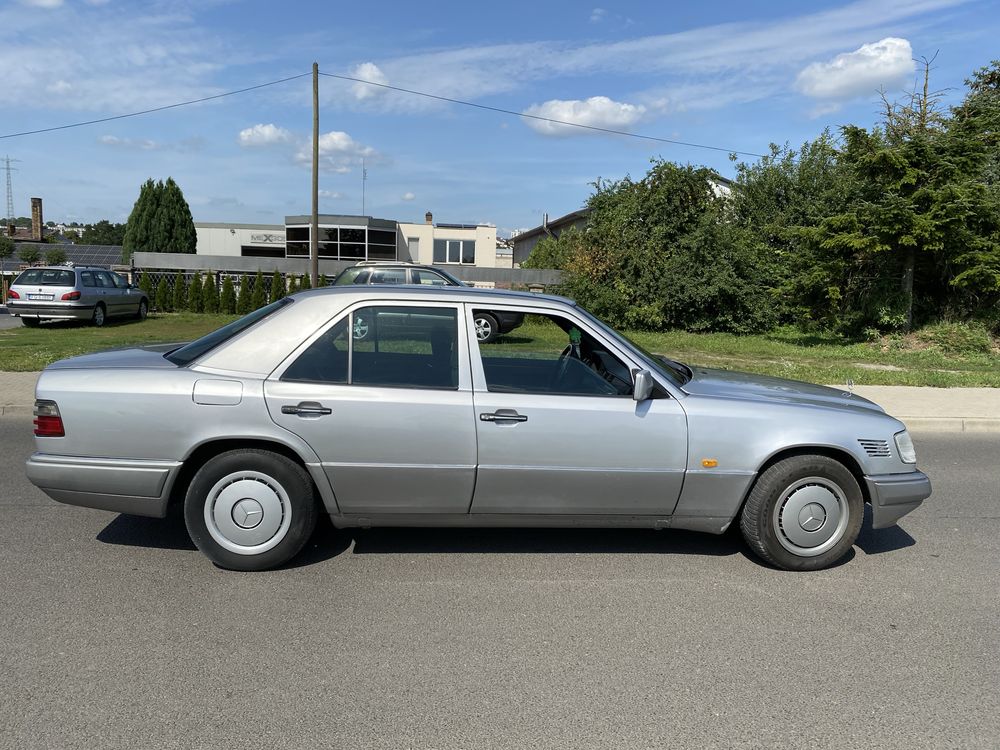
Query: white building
354, 238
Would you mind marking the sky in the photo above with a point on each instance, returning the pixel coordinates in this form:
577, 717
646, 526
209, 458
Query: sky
736, 76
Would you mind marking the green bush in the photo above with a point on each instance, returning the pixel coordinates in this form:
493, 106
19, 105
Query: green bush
146, 284
245, 296
277, 286
258, 297
957, 338
209, 294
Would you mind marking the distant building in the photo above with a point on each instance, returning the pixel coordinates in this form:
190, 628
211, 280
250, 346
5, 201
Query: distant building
355, 238
524, 242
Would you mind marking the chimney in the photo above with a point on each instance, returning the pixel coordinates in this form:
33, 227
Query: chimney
36, 219
428, 218
12, 230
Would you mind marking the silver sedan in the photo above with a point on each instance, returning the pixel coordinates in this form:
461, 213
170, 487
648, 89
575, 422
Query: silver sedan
260, 426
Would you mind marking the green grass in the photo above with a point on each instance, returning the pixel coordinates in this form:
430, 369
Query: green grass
926, 360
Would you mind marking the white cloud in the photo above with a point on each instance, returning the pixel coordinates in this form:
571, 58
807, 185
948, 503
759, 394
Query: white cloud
263, 135
338, 152
143, 144
597, 15
597, 111
368, 71
407, 196
886, 63
332, 195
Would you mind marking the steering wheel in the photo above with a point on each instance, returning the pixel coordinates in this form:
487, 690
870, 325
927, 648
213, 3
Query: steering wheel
562, 367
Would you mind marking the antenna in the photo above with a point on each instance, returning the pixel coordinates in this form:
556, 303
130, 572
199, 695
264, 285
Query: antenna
364, 179
10, 193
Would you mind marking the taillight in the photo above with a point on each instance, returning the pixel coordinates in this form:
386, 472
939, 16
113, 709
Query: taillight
48, 422
71, 296
11, 294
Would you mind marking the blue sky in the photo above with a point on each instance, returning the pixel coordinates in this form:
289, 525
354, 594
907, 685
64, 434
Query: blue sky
737, 75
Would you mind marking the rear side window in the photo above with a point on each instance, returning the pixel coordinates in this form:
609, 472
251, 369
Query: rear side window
391, 346
47, 277
421, 276
87, 278
190, 352
389, 276
353, 276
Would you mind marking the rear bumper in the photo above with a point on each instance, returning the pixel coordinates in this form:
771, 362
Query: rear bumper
53, 312
895, 495
139, 487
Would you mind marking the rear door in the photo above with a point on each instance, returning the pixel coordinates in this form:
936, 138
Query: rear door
384, 397
558, 431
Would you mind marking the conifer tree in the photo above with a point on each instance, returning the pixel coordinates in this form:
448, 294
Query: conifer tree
227, 302
146, 284
277, 286
293, 283
195, 301
259, 297
246, 295
180, 292
210, 294
163, 295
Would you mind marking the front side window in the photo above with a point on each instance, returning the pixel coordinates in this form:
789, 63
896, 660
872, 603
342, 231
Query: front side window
389, 276
393, 346
550, 354
422, 276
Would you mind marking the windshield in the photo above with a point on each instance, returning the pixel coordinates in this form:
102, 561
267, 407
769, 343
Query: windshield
190, 352
676, 372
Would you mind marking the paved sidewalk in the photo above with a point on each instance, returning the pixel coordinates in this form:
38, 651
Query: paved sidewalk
930, 409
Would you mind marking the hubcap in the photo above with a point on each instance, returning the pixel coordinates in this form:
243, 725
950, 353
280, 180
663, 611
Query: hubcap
360, 328
99, 315
483, 329
811, 516
248, 512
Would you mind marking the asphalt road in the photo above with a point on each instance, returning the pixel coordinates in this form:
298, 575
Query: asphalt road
117, 633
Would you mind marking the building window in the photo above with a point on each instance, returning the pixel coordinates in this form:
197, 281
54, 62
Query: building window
343, 243
455, 251
250, 251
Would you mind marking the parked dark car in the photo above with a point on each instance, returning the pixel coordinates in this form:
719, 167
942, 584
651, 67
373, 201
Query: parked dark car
489, 324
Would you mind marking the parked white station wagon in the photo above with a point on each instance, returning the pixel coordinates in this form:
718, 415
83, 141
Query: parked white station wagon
290, 412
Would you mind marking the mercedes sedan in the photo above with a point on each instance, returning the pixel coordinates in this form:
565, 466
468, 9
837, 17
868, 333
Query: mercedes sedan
410, 420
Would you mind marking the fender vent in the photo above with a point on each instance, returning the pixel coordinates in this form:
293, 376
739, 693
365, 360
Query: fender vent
876, 448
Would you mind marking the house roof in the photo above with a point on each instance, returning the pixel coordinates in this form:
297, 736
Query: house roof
568, 219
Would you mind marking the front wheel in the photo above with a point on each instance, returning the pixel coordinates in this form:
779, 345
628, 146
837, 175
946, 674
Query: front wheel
97, 319
250, 509
487, 328
804, 513
143, 310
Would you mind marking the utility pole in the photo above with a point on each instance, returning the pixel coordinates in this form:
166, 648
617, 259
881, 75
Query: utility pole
314, 228
364, 179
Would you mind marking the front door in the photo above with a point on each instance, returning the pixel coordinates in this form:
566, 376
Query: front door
559, 432
384, 398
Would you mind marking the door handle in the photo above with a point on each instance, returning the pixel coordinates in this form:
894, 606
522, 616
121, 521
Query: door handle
503, 415
307, 409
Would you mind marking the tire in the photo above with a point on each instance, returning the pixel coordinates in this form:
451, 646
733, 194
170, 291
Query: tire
487, 328
361, 328
100, 315
250, 509
803, 513
31, 322
143, 310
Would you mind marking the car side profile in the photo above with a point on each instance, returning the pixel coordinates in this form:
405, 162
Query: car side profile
68, 292
490, 324
288, 413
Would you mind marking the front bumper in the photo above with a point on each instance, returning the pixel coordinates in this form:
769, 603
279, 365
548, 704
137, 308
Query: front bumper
894, 495
50, 312
136, 486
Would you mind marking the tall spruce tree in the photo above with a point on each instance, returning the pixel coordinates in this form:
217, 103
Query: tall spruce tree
180, 292
277, 286
160, 221
210, 294
163, 295
246, 295
259, 297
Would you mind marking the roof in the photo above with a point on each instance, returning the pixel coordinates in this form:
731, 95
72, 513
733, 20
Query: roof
470, 294
570, 218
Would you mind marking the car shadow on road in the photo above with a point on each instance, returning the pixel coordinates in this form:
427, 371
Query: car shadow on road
876, 541
171, 533
542, 541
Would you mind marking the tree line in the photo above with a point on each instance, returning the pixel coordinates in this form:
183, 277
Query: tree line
858, 232
202, 294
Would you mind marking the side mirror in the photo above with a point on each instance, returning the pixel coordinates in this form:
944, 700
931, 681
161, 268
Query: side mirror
643, 388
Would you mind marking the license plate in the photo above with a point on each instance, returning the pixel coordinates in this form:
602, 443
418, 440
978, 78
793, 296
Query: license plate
40, 296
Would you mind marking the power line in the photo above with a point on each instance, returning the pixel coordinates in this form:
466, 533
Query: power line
154, 109
542, 119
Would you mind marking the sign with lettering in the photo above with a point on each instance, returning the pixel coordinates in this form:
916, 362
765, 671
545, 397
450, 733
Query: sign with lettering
268, 239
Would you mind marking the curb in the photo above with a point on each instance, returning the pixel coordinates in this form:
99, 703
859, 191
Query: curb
951, 424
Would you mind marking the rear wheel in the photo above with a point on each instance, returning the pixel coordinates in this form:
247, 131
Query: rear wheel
30, 322
250, 509
804, 513
97, 320
143, 310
